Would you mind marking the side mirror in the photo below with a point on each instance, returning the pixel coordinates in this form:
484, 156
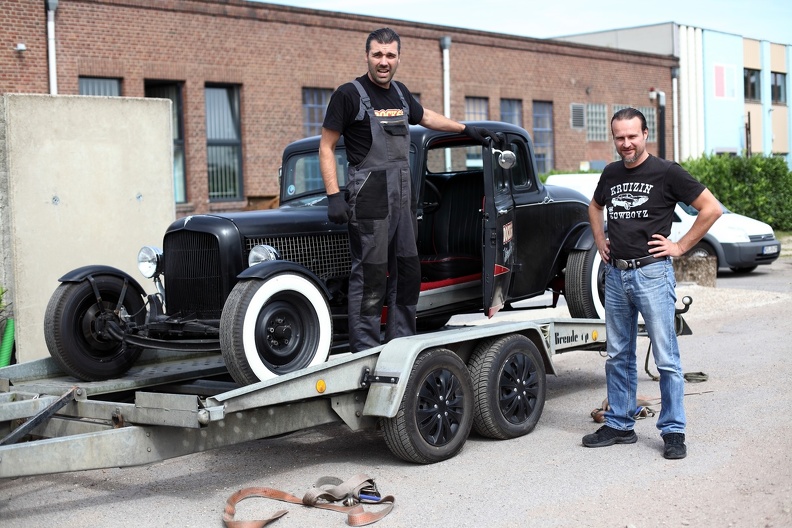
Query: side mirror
506, 158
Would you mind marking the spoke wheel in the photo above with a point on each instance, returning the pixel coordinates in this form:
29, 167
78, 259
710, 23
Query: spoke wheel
436, 412
509, 385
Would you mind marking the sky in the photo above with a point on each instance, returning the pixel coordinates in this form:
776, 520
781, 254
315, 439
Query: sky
758, 19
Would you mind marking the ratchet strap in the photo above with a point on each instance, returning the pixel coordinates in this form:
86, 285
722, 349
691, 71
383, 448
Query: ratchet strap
353, 493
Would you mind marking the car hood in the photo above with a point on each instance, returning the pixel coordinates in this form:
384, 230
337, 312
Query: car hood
728, 224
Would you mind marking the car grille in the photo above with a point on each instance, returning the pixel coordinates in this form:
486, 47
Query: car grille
193, 275
325, 255
761, 238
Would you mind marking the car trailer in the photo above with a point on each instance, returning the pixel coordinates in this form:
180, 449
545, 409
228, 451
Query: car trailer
426, 392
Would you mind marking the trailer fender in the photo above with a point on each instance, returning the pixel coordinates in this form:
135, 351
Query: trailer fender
80, 274
397, 357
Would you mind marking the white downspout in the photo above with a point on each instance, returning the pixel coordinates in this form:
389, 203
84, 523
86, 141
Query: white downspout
445, 45
52, 5
675, 102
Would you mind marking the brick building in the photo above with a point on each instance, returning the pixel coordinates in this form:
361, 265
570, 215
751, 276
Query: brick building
246, 78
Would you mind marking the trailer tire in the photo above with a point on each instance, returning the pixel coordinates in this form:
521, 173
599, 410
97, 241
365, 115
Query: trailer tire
584, 287
274, 326
509, 387
436, 411
73, 321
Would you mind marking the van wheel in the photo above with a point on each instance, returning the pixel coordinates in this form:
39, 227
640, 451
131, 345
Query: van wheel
436, 411
509, 387
274, 326
584, 287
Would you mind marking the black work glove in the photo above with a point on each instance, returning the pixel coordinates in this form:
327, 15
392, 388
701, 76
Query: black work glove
479, 134
337, 208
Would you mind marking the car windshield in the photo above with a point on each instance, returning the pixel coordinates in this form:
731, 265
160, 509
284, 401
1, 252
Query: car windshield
692, 211
301, 175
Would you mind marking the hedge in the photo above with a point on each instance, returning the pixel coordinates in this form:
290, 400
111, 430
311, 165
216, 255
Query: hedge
756, 186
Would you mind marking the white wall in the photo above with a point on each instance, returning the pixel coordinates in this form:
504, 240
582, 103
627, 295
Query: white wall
83, 180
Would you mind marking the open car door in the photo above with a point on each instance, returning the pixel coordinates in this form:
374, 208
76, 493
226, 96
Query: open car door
498, 229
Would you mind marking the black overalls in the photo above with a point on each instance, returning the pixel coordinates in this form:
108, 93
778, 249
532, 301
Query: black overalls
382, 231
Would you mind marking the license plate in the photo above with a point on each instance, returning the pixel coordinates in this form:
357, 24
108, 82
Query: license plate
769, 250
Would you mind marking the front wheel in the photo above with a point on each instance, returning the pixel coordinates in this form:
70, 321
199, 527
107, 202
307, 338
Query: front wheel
509, 386
274, 326
585, 284
76, 327
436, 411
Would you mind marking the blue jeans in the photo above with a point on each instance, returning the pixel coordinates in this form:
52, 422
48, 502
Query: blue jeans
650, 291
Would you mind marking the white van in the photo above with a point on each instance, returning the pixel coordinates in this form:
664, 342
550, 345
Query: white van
739, 242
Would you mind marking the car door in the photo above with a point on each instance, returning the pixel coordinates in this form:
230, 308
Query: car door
497, 233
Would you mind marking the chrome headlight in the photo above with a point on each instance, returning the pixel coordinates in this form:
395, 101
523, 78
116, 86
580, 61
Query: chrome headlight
262, 253
150, 261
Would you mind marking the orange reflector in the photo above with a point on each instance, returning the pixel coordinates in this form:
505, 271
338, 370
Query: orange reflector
321, 386
594, 335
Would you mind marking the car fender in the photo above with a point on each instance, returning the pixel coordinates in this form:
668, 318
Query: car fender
267, 269
716, 245
581, 238
81, 274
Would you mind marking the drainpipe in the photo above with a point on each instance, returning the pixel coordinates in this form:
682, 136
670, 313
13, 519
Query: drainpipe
445, 45
52, 5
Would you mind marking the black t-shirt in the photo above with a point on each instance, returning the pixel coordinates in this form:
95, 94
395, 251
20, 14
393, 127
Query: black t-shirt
344, 107
639, 202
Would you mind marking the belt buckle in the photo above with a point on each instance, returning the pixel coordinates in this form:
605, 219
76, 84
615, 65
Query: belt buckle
622, 264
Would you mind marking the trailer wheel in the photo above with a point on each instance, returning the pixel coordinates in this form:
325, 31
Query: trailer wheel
436, 412
274, 326
585, 284
75, 327
509, 386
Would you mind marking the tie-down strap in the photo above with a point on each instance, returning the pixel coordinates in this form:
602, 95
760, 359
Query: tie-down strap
356, 491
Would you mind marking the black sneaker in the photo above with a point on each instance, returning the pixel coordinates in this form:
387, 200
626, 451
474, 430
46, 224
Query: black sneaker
674, 446
607, 436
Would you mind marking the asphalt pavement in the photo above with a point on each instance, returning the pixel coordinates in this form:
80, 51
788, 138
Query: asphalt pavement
738, 472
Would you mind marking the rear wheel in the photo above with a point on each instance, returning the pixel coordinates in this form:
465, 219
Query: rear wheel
76, 327
274, 326
436, 411
585, 284
509, 387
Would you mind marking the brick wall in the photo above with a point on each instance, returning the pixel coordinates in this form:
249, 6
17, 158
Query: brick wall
272, 52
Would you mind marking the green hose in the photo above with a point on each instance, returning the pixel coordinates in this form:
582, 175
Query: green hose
7, 344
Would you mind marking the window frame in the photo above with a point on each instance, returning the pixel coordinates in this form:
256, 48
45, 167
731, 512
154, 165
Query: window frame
314, 106
232, 143
752, 84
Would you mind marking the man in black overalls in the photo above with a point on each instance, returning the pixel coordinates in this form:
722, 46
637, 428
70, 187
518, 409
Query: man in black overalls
373, 114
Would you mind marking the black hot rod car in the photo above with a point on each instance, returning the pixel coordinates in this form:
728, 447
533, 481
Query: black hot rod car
267, 289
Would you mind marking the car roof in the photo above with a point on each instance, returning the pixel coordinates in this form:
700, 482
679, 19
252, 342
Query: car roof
418, 134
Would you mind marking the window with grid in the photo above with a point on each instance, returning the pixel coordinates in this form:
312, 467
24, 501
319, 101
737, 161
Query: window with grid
543, 135
511, 111
778, 87
752, 84
173, 91
223, 142
99, 86
314, 107
476, 109
597, 122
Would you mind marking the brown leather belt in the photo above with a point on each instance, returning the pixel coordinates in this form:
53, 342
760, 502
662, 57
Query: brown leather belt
625, 264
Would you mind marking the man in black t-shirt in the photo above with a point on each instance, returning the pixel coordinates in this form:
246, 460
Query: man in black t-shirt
638, 195
373, 113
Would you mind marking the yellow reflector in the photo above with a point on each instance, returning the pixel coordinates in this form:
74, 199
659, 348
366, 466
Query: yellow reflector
321, 386
594, 335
